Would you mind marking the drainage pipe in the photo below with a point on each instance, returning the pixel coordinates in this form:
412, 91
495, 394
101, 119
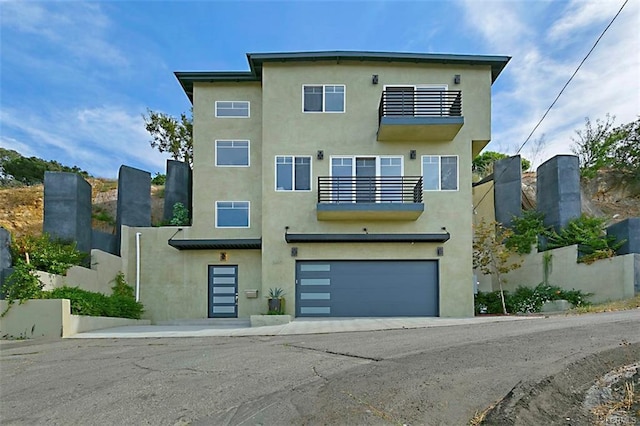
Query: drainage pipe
138, 234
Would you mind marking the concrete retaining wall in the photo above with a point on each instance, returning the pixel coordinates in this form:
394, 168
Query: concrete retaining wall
52, 318
608, 279
100, 278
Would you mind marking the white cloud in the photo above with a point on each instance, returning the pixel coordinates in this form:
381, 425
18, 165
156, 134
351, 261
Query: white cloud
609, 81
98, 140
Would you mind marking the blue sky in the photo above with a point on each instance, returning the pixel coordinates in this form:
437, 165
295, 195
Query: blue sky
76, 77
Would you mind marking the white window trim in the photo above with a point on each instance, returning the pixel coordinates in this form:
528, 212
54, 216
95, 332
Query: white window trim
377, 157
293, 173
233, 140
440, 172
234, 227
344, 106
233, 116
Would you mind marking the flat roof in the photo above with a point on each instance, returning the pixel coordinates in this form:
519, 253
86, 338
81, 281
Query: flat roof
257, 60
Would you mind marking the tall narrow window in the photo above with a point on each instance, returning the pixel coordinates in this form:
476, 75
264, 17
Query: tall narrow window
440, 172
323, 98
293, 173
232, 153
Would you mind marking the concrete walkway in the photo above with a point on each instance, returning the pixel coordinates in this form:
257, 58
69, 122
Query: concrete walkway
298, 326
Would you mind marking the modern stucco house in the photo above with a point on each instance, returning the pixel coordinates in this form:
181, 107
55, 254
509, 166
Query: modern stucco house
342, 177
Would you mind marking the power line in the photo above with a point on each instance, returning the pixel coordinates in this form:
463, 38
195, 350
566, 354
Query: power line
557, 97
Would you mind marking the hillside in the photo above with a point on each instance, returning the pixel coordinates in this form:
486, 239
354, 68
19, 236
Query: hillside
22, 208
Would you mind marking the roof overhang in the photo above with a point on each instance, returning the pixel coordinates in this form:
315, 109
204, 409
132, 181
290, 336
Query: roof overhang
257, 60
367, 238
217, 244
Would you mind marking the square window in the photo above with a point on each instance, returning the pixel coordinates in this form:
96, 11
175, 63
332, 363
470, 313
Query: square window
440, 172
233, 109
232, 214
323, 98
293, 173
232, 153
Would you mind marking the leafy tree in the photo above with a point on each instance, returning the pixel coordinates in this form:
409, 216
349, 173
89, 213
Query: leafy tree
626, 155
30, 170
526, 229
170, 134
482, 165
180, 215
594, 146
491, 255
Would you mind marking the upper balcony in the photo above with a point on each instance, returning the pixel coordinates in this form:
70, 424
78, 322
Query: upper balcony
418, 114
369, 197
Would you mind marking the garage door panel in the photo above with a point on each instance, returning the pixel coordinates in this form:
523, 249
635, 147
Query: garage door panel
367, 288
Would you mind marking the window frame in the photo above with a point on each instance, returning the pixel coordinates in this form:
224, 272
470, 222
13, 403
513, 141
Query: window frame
233, 116
440, 156
233, 140
324, 95
217, 225
293, 173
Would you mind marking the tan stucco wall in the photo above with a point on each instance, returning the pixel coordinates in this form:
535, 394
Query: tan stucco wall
607, 279
484, 209
174, 283
211, 183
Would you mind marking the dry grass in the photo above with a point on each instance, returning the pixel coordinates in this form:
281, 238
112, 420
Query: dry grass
618, 305
620, 408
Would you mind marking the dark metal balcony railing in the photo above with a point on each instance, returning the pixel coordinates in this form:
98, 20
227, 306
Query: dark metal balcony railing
420, 103
378, 189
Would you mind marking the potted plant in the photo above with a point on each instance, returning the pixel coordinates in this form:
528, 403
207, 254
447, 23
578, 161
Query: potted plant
276, 301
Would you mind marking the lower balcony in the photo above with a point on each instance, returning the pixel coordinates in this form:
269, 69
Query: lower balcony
369, 198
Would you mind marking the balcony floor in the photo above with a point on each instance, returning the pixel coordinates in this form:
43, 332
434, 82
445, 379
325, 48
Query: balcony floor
401, 128
369, 211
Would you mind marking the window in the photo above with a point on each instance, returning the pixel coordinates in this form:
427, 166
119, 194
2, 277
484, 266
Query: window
323, 98
232, 153
236, 109
293, 173
232, 214
440, 172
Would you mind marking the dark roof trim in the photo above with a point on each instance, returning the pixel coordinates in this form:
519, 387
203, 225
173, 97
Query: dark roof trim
497, 63
367, 238
228, 244
187, 78
256, 61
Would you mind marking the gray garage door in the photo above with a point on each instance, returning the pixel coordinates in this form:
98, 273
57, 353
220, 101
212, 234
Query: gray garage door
343, 288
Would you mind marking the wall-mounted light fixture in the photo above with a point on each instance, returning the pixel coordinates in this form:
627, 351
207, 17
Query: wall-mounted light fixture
320, 154
412, 154
374, 79
294, 251
440, 251
456, 79
223, 256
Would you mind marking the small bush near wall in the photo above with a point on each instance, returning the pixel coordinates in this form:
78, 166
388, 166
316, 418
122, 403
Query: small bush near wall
121, 303
527, 300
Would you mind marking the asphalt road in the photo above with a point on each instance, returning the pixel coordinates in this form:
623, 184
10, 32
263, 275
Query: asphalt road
433, 376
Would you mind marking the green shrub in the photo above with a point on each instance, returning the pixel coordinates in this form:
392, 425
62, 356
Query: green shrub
528, 300
526, 229
21, 285
180, 215
85, 302
46, 254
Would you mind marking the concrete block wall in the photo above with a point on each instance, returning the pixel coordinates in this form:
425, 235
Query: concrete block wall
628, 230
558, 190
67, 208
134, 199
177, 188
507, 189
